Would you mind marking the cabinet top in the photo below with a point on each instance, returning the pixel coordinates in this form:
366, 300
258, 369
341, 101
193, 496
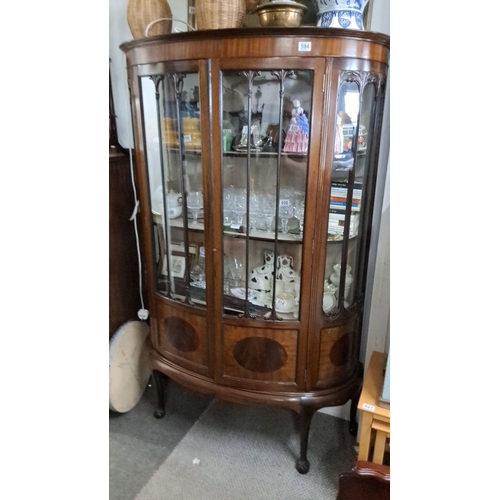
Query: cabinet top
259, 42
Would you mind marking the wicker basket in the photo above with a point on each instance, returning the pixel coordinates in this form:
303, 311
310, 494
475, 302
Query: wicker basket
140, 13
219, 14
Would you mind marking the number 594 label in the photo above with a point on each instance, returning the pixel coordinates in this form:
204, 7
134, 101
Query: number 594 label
304, 46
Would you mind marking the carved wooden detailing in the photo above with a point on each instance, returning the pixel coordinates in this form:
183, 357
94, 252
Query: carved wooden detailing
268, 355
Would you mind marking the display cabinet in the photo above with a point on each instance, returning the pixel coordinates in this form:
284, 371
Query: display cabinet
256, 154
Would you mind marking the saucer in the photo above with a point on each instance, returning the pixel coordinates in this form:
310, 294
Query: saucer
328, 302
286, 311
240, 293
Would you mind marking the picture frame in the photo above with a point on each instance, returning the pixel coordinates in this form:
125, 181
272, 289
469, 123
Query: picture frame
178, 263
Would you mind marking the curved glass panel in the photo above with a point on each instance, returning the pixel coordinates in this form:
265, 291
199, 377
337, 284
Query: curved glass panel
265, 141
353, 136
173, 156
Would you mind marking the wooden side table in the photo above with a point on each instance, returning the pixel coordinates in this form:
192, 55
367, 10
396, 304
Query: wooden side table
374, 419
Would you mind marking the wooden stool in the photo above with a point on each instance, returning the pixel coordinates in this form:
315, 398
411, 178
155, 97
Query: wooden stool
373, 417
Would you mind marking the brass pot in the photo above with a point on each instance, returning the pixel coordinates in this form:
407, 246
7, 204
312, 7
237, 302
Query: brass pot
280, 13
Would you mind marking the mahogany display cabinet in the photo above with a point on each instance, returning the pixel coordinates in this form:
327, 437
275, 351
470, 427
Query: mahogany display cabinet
256, 155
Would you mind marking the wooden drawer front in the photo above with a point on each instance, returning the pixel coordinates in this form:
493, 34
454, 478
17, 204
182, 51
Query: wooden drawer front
260, 354
182, 337
336, 352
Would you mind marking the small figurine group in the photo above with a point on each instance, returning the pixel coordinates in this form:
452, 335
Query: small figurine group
297, 135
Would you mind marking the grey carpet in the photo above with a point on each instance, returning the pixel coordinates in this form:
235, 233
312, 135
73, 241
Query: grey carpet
139, 443
249, 452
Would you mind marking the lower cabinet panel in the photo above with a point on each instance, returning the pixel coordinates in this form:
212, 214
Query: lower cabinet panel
336, 353
182, 337
259, 354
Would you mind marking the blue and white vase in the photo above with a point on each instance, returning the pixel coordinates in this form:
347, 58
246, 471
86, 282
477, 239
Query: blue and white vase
346, 14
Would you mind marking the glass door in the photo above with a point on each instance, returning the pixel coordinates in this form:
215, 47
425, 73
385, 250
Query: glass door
172, 132
351, 189
265, 140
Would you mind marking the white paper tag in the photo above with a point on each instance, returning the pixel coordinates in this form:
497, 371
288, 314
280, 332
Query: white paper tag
304, 46
368, 407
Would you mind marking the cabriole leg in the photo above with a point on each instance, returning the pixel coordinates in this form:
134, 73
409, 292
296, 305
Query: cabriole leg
306, 415
160, 394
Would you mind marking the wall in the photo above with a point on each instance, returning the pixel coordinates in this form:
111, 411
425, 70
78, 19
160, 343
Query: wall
375, 335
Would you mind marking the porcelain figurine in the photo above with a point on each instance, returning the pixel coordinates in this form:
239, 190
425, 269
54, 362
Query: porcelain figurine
263, 274
346, 14
286, 274
335, 278
297, 135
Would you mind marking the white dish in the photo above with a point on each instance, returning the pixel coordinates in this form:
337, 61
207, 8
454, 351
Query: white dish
240, 293
328, 302
287, 311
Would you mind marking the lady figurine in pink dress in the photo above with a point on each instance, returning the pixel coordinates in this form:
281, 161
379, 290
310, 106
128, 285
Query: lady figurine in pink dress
297, 136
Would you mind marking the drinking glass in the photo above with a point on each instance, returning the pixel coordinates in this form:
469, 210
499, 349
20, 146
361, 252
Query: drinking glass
285, 208
269, 210
299, 210
240, 204
194, 202
236, 267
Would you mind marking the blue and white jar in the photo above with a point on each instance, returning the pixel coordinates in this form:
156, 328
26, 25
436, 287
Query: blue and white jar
346, 14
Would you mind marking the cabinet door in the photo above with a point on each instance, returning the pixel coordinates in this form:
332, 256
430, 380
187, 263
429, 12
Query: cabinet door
266, 148
173, 151
356, 120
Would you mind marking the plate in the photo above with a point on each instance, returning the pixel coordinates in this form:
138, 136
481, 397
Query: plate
328, 302
256, 302
282, 311
240, 293
199, 284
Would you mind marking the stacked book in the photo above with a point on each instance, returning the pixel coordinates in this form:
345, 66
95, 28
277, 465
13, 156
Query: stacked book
338, 203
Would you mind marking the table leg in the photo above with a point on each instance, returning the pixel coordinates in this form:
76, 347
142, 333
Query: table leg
364, 436
378, 452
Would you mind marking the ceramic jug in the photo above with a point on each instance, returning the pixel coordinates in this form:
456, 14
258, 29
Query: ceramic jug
347, 14
174, 203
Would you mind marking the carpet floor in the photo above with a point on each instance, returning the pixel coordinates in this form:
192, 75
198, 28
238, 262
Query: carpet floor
209, 449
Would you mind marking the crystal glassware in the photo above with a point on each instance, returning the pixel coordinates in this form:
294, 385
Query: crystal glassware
285, 208
269, 210
240, 205
194, 202
236, 268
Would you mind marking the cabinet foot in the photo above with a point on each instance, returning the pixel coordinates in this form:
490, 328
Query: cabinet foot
302, 466
160, 394
306, 415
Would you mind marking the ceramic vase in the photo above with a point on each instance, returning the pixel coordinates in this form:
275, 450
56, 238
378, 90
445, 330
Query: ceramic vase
346, 14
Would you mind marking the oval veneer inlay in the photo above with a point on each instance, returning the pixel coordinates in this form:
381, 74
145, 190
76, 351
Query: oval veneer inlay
181, 334
259, 354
